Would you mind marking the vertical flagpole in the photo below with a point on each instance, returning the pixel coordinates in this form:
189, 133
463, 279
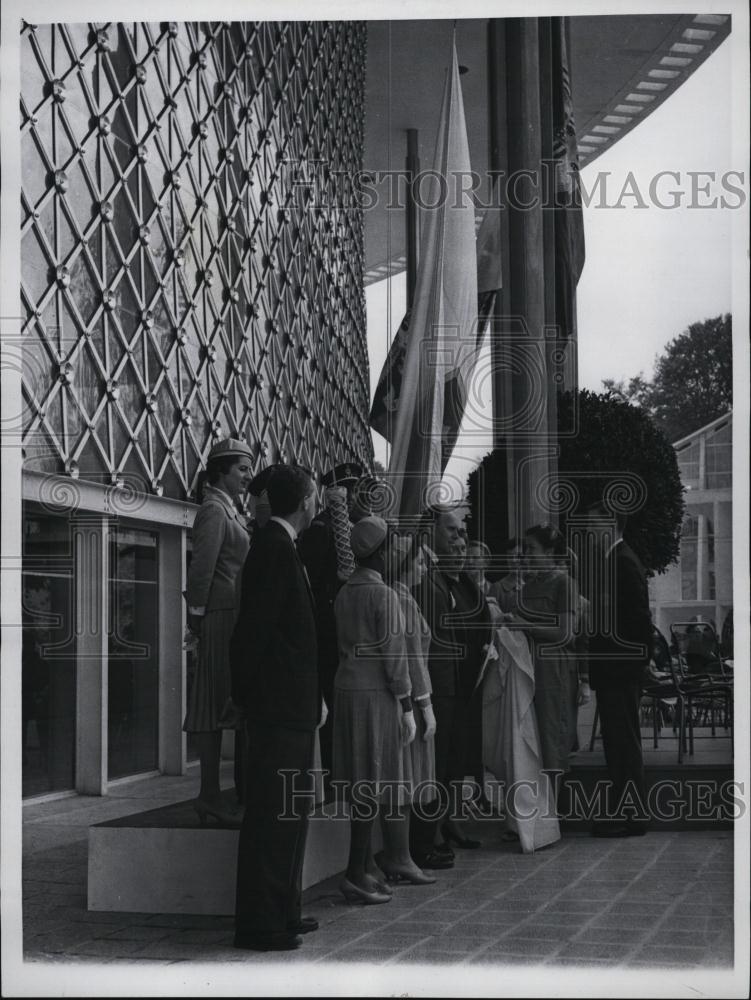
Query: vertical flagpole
412, 220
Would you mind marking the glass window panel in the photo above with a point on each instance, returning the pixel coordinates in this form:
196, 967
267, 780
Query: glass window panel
133, 667
48, 698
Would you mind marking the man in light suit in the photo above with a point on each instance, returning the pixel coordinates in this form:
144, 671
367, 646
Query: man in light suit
275, 680
618, 655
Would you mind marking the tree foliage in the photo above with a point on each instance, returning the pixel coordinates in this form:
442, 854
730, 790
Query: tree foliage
693, 380
615, 442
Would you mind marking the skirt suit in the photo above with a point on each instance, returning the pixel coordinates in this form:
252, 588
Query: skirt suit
552, 594
371, 678
421, 752
220, 545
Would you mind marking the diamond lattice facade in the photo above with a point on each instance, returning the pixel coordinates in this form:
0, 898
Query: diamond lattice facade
191, 247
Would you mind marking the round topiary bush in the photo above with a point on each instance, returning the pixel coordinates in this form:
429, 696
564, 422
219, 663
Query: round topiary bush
616, 447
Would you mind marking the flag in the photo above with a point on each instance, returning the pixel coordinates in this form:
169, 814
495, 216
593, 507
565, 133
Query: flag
439, 341
388, 390
569, 223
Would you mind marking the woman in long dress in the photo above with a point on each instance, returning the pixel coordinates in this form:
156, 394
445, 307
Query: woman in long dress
526, 703
373, 714
220, 544
548, 605
406, 568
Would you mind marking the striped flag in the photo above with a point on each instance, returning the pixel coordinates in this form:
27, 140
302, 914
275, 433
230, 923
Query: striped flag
439, 337
569, 223
388, 390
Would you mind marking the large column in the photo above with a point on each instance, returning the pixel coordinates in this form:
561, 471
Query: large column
172, 611
521, 136
90, 536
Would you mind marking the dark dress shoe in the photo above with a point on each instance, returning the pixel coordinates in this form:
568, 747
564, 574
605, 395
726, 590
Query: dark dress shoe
433, 860
267, 942
305, 926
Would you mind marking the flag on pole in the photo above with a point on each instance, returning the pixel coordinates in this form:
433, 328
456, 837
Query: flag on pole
569, 223
489, 281
439, 343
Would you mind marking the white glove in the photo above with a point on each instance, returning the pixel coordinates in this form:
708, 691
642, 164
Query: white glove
324, 713
585, 694
429, 719
409, 727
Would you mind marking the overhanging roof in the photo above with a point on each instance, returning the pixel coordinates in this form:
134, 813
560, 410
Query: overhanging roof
622, 68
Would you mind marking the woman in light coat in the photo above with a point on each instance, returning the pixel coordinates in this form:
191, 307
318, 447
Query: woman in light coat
373, 715
220, 544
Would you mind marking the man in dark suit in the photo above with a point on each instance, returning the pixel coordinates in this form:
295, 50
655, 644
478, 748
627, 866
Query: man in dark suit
442, 530
619, 653
275, 680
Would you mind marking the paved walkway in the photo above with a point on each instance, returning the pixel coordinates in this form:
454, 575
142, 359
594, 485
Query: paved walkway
662, 900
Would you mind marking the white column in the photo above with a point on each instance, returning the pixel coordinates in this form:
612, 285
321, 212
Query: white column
172, 615
91, 553
701, 558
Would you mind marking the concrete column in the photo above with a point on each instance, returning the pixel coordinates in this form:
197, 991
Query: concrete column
172, 614
90, 537
519, 81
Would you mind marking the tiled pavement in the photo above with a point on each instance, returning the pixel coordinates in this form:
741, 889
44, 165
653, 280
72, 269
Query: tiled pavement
663, 900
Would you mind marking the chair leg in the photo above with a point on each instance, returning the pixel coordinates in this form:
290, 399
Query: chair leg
690, 728
655, 709
681, 724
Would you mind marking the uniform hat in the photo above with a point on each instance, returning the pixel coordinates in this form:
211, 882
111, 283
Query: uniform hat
340, 475
230, 447
367, 535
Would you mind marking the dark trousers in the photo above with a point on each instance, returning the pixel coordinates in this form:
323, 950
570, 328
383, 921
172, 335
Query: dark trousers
621, 740
271, 849
451, 717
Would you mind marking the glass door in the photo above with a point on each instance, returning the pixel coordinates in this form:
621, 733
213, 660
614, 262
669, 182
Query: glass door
133, 668
48, 664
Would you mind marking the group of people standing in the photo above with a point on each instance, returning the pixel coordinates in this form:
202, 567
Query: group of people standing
415, 671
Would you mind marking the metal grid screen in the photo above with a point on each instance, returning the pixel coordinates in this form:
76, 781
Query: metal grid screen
192, 248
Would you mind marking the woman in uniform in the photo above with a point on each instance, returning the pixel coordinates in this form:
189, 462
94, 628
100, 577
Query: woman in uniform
220, 544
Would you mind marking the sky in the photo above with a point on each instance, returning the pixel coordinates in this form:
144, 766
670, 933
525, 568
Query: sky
649, 271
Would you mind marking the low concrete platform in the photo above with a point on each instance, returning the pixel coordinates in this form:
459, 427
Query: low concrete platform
164, 861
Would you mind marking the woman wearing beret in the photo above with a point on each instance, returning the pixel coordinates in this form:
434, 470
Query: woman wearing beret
220, 544
373, 716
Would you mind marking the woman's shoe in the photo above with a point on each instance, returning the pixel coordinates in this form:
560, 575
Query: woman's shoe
354, 894
224, 818
451, 836
403, 873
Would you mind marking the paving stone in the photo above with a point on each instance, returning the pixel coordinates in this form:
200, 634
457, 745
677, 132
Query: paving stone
541, 932
595, 934
140, 933
670, 953
107, 948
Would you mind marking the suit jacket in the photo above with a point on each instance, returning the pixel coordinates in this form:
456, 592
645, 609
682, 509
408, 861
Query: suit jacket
273, 652
438, 606
318, 552
220, 544
622, 652
471, 629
